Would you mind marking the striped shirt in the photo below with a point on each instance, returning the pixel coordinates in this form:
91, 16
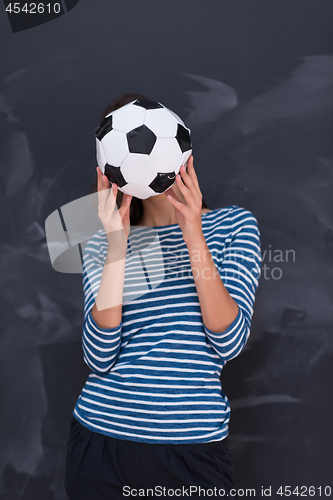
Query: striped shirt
155, 378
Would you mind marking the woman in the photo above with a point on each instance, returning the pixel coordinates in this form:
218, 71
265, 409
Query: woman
168, 299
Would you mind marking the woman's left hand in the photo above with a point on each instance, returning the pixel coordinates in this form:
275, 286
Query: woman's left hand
188, 214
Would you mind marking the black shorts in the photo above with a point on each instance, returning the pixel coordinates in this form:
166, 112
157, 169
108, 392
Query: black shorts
100, 467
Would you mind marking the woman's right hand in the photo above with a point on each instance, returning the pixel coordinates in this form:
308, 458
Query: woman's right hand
116, 222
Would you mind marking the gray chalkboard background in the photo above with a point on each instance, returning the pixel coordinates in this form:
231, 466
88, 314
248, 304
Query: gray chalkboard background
254, 82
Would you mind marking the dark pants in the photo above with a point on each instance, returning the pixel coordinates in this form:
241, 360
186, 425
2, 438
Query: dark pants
99, 467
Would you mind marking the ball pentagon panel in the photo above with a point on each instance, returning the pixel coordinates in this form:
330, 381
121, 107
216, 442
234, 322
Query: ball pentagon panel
162, 182
183, 138
141, 140
146, 104
105, 127
114, 175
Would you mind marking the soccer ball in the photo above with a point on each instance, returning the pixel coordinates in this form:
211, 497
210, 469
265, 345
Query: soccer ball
141, 147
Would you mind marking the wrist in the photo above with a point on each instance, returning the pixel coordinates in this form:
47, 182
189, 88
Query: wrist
116, 239
116, 249
116, 258
196, 243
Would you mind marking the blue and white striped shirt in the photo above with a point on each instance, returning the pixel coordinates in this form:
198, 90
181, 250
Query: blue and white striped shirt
155, 378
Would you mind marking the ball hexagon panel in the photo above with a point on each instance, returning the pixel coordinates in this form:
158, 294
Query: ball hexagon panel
138, 169
115, 145
184, 158
142, 192
161, 122
176, 117
165, 155
128, 117
101, 160
141, 140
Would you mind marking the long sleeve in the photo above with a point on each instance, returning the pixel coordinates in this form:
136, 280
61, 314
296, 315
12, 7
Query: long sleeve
239, 266
101, 346
165, 387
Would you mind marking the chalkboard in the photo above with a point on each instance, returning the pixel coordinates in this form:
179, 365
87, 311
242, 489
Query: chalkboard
254, 82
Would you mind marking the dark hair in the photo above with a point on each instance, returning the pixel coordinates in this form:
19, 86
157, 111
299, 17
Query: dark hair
136, 207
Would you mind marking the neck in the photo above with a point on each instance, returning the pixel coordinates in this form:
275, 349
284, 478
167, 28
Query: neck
158, 210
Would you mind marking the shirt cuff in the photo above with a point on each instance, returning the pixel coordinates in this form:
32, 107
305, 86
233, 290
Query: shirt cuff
98, 329
233, 326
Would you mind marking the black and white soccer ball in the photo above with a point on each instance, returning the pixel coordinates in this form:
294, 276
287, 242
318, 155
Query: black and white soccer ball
141, 147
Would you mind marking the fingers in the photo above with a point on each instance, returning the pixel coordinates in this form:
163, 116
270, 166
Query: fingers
186, 186
106, 196
125, 205
179, 205
193, 175
126, 201
191, 171
101, 180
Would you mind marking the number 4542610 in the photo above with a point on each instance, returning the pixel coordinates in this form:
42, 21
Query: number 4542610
304, 491
33, 8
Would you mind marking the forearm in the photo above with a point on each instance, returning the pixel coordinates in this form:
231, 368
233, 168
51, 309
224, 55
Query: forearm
218, 308
107, 310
